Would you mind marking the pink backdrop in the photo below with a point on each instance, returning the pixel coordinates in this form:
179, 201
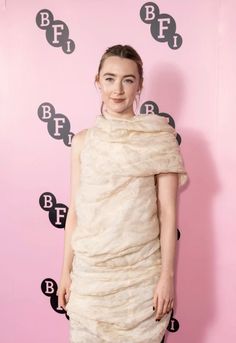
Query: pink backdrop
195, 84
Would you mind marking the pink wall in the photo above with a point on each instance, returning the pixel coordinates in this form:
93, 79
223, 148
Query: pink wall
195, 84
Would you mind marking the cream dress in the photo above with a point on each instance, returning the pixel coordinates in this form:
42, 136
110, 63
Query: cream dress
116, 244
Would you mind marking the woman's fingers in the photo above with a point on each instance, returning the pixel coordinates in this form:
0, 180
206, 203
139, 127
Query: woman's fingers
67, 295
167, 306
159, 310
155, 301
61, 299
63, 291
163, 308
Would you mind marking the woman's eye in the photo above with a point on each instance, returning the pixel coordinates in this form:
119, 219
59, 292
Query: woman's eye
129, 80
108, 79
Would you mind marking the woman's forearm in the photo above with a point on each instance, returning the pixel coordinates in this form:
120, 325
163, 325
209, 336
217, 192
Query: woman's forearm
69, 229
168, 243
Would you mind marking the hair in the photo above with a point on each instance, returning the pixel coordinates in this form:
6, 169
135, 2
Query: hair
124, 51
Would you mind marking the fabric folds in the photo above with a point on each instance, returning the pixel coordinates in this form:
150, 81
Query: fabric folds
116, 242
142, 145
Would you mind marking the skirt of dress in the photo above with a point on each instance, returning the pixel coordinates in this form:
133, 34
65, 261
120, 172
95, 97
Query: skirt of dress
114, 305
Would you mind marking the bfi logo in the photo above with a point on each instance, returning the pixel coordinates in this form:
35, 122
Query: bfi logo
57, 32
57, 212
58, 124
163, 26
49, 288
173, 325
150, 107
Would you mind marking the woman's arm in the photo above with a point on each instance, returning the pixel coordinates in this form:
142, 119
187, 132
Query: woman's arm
167, 186
71, 219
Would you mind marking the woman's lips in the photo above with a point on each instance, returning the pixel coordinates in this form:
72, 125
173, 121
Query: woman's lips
118, 100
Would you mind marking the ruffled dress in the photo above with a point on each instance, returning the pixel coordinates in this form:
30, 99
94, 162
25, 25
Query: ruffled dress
116, 243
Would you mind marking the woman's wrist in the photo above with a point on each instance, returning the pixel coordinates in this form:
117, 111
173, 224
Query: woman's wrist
167, 275
66, 270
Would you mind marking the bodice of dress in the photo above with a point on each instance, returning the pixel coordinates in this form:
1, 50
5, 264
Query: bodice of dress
139, 146
116, 199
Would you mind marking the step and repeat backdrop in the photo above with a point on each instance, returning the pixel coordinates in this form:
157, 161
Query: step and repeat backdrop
49, 56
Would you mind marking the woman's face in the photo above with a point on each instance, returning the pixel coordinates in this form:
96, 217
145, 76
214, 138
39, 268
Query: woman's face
119, 83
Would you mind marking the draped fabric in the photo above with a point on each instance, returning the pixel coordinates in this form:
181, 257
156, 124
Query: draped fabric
116, 242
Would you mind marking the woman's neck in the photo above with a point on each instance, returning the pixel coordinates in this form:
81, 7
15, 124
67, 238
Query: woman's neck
107, 114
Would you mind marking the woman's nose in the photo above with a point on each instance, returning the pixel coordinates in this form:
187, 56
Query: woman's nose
118, 87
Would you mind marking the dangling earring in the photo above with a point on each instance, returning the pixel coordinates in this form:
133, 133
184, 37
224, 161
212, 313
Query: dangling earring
137, 100
138, 94
101, 108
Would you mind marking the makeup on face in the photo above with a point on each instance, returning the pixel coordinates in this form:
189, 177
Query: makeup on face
119, 84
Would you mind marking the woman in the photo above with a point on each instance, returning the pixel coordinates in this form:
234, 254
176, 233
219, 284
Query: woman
117, 282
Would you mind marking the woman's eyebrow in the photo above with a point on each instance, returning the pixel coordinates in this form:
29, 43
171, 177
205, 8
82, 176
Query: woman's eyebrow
111, 74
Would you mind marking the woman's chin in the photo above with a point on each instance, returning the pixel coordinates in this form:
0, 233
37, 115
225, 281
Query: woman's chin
118, 108
115, 109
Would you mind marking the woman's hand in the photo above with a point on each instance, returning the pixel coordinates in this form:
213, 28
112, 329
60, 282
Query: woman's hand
163, 299
63, 291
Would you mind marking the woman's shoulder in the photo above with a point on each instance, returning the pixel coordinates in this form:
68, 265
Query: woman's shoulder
79, 139
80, 135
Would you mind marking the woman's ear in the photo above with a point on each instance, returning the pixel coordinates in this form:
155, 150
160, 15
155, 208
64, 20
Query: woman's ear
97, 81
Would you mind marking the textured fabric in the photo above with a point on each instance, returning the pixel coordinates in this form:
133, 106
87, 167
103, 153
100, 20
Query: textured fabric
116, 243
